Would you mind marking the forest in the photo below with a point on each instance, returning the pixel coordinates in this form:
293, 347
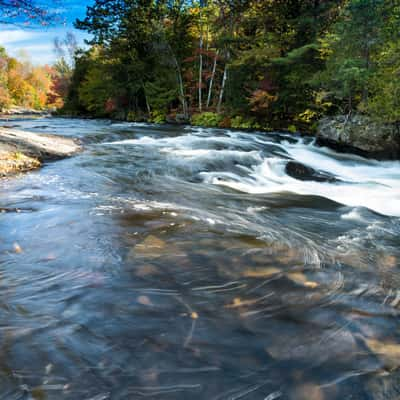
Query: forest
32, 87
262, 64
265, 64
207, 205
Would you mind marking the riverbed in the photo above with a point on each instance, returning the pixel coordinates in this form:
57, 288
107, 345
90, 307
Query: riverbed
171, 262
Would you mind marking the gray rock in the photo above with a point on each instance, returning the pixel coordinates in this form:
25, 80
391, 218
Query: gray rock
42, 146
23, 151
305, 173
360, 135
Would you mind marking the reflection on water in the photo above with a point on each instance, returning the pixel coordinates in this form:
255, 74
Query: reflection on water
175, 263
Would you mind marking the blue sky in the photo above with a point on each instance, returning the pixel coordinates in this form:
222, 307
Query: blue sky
36, 43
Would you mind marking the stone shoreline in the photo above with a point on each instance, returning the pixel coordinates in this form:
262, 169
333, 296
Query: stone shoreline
22, 151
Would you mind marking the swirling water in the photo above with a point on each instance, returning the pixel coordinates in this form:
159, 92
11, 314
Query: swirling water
173, 262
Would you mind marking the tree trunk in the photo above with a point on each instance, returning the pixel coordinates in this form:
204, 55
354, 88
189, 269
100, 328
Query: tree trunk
180, 84
212, 79
200, 69
224, 78
350, 104
147, 102
182, 91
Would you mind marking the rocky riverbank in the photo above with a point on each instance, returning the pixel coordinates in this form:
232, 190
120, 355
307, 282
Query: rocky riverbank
23, 151
361, 135
17, 111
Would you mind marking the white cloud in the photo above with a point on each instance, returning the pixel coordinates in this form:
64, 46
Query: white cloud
38, 45
11, 36
37, 53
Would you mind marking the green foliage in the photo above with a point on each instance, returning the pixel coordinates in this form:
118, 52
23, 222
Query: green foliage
240, 122
292, 128
210, 119
96, 89
158, 117
349, 51
161, 93
267, 63
384, 101
131, 116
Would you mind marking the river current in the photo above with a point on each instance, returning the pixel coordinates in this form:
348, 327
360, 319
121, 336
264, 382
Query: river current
170, 262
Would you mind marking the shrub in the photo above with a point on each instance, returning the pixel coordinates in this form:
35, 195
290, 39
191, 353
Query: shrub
158, 116
240, 122
207, 119
131, 116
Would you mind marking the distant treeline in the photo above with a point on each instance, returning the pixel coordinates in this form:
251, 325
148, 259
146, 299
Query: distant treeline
238, 63
25, 85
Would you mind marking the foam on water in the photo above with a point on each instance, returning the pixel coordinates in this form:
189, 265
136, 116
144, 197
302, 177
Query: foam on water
262, 160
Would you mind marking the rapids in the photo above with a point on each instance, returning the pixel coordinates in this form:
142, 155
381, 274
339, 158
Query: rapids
169, 262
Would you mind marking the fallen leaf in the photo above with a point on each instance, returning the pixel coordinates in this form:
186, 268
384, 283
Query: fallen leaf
301, 279
144, 300
194, 315
238, 302
17, 248
261, 272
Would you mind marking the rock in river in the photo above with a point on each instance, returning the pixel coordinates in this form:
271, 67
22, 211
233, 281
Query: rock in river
360, 135
22, 151
304, 173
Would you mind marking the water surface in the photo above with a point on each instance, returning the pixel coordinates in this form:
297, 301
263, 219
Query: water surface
173, 262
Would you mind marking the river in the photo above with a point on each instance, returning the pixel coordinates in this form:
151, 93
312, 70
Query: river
169, 262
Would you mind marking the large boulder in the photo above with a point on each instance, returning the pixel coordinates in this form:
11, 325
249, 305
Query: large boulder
360, 135
43, 146
22, 151
305, 173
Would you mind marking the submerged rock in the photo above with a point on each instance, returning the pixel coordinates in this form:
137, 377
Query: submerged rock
304, 173
360, 135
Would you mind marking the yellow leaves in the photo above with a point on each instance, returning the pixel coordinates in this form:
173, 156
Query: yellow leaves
27, 85
307, 116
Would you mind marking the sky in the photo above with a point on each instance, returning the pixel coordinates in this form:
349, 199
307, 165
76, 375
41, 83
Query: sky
37, 43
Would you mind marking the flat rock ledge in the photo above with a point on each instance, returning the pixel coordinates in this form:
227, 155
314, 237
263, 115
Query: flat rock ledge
360, 135
22, 151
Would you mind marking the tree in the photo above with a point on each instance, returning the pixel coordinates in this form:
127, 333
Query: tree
350, 62
269, 63
26, 12
384, 86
